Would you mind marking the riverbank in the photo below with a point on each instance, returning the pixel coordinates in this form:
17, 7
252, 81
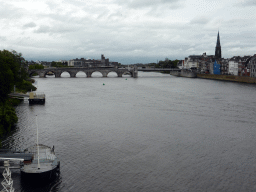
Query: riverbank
228, 78
8, 117
184, 73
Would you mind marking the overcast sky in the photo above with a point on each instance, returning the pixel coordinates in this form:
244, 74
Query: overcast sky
127, 31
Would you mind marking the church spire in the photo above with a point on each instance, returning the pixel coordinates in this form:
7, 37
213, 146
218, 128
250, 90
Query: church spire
218, 40
218, 48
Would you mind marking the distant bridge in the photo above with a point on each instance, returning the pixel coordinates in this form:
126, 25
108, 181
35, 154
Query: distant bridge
88, 71
103, 70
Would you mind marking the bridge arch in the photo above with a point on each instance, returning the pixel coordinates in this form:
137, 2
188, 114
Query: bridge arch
127, 73
70, 73
81, 72
47, 71
32, 72
108, 72
97, 72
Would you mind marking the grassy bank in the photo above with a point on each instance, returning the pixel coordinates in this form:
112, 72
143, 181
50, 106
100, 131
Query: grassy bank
228, 78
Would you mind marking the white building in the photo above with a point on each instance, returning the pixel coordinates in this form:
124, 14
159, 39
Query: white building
192, 61
233, 66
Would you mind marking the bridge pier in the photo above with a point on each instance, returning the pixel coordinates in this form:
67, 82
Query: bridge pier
41, 74
134, 71
119, 74
105, 74
57, 75
72, 74
88, 74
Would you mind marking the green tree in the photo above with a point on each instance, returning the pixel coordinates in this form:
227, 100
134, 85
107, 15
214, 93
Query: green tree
6, 75
57, 64
13, 72
36, 66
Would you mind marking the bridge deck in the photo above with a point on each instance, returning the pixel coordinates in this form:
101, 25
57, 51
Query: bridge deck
158, 69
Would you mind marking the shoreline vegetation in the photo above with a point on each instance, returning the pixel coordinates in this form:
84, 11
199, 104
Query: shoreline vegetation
13, 73
231, 78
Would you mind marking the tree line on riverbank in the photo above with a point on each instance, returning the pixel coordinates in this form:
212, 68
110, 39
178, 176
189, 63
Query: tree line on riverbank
165, 64
13, 73
53, 64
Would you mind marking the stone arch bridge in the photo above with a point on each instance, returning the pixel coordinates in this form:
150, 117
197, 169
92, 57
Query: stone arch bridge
88, 71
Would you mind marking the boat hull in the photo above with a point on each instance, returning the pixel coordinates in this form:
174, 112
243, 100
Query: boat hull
36, 101
41, 176
43, 157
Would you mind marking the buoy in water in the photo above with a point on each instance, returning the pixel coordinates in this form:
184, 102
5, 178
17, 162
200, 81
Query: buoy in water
103, 84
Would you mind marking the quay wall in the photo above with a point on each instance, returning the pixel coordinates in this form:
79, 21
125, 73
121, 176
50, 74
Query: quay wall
175, 73
232, 78
184, 73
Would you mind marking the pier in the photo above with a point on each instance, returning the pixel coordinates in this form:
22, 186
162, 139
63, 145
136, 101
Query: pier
18, 95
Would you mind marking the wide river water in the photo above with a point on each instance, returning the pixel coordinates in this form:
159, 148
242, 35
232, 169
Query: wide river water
153, 133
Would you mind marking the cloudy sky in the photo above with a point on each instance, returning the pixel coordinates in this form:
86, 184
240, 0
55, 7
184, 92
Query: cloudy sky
127, 31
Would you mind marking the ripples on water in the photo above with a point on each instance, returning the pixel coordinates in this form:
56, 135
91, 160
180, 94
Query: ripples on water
153, 133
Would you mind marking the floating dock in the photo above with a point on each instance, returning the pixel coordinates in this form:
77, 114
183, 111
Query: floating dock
36, 98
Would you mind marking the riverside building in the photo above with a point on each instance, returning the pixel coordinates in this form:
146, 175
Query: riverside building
91, 62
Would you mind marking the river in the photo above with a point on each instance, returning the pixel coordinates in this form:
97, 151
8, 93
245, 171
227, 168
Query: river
153, 133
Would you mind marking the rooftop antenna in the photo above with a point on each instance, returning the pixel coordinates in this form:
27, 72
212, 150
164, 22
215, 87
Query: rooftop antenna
38, 164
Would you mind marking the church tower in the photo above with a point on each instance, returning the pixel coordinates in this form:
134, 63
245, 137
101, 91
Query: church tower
218, 48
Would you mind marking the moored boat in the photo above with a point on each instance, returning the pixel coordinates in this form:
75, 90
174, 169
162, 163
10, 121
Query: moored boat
43, 167
36, 98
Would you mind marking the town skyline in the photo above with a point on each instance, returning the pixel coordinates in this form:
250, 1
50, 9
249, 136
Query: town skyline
127, 31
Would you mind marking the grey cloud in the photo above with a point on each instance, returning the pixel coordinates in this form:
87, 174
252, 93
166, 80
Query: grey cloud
2, 38
76, 2
43, 29
115, 16
147, 3
29, 25
199, 20
247, 3
59, 29
8, 11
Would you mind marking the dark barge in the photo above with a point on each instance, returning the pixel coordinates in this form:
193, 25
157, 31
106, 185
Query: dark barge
44, 166
38, 163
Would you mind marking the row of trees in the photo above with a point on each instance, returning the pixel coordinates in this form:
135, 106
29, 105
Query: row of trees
58, 64
36, 66
165, 64
168, 63
13, 73
53, 64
